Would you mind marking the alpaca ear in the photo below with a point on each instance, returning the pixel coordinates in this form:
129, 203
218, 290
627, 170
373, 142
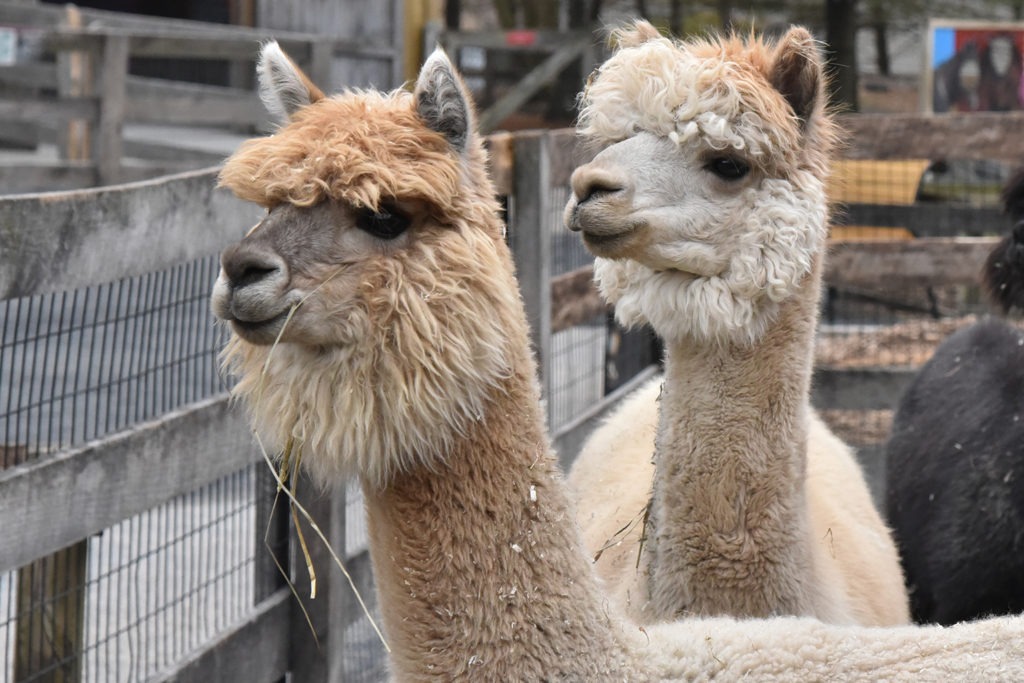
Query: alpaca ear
283, 87
796, 72
443, 102
639, 33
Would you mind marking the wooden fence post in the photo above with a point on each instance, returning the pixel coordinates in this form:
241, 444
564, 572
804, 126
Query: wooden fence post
316, 654
271, 561
50, 607
114, 74
530, 240
74, 79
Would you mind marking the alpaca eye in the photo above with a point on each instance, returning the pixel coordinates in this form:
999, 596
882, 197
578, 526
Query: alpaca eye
386, 223
728, 168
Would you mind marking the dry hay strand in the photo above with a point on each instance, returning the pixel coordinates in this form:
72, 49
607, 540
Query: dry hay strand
286, 477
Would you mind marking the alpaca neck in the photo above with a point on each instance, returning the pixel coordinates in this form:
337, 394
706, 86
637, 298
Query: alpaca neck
728, 526
479, 568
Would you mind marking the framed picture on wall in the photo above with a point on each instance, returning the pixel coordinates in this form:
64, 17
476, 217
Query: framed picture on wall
973, 66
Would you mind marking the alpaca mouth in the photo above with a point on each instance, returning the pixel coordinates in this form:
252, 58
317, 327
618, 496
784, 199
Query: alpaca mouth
604, 241
262, 332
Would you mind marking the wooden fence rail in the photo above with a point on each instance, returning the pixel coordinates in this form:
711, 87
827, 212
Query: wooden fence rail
96, 48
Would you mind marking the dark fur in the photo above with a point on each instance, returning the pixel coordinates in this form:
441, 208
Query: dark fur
1004, 270
955, 460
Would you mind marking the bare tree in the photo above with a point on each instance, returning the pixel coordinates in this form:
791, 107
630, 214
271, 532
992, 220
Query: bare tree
841, 51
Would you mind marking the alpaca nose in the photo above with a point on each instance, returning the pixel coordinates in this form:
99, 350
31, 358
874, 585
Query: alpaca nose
591, 181
246, 264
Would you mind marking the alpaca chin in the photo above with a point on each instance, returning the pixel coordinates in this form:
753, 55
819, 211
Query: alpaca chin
680, 306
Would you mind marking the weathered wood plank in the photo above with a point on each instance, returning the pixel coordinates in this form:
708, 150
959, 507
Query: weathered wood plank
254, 651
51, 176
316, 654
977, 135
541, 40
530, 240
859, 388
49, 110
29, 74
195, 109
62, 499
113, 72
898, 266
58, 176
50, 630
574, 299
926, 220
55, 242
532, 82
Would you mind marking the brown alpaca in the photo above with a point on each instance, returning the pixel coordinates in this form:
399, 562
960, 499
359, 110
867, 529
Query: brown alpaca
376, 323
707, 209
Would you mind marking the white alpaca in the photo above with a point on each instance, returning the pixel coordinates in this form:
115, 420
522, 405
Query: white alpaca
376, 322
707, 209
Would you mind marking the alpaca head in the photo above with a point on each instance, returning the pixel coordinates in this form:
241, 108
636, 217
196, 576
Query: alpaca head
706, 204
370, 307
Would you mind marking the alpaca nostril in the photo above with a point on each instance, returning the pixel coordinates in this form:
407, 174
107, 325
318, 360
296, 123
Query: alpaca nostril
244, 266
590, 183
598, 189
252, 274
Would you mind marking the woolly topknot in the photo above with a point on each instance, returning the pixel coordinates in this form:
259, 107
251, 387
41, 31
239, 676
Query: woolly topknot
720, 89
358, 150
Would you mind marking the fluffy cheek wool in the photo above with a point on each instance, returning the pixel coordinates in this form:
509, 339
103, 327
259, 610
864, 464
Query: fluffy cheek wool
783, 229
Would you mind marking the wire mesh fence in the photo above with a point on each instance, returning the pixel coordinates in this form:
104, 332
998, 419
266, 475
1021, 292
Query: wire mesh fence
76, 366
136, 598
891, 324
589, 359
79, 365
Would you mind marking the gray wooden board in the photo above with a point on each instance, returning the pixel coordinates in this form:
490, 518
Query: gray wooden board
926, 220
859, 389
58, 241
48, 109
901, 265
973, 135
254, 651
59, 500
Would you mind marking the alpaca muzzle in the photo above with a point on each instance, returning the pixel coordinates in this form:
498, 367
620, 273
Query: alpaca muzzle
251, 292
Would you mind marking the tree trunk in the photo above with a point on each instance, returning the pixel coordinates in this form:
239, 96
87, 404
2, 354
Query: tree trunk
725, 15
452, 14
675, 17
882, 48
840, 51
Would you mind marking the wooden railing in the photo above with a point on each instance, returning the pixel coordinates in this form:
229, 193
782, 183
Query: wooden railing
76, 87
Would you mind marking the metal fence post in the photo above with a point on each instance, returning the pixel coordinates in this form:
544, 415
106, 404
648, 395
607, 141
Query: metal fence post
530, 241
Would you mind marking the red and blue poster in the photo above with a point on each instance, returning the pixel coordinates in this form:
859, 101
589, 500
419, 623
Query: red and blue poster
975, 66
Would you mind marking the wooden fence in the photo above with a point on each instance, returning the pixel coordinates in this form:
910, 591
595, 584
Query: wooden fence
73, 87
59, 242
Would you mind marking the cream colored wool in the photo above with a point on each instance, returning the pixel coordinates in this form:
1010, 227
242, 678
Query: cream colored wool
478, 564
756, 509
